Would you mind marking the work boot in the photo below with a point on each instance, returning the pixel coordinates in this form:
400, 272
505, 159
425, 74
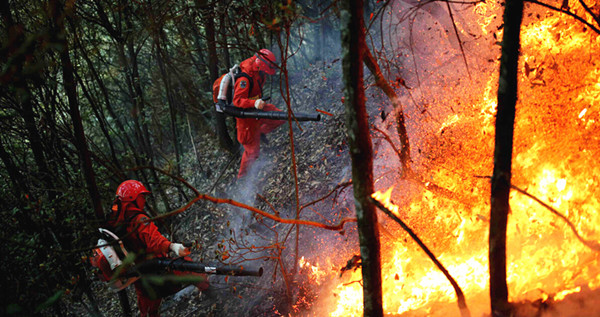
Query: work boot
263, 139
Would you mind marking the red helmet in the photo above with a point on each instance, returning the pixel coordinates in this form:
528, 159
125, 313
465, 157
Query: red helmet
129, 190
265, 61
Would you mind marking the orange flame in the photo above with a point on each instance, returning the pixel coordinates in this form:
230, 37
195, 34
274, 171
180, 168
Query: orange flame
555, 159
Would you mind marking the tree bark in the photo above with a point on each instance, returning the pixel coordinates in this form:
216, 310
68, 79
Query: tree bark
209, 27
23, 96
384, 85
223, 32
501, 178
71, 91
19, 187
171, 100
226, 141
361, 152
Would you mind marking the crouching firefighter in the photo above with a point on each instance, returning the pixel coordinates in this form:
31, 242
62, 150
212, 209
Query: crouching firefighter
141, 236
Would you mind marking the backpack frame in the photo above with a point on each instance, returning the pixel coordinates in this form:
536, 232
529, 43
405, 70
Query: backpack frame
223, 91
107, 258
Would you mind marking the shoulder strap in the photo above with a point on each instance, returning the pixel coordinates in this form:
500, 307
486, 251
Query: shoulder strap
113, 237
242, 74
129, 239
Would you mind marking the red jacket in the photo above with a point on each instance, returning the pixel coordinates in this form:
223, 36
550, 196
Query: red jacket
244, 98
139, 236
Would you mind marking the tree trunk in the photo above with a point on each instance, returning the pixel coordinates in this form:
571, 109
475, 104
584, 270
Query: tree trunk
23, 97
223, 32
18, 186
209, 26
170, 99
384, 85
501, 178
71, 92
361, 152
226, 142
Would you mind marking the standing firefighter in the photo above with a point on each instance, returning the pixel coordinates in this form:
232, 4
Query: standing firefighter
248, 94
142, 237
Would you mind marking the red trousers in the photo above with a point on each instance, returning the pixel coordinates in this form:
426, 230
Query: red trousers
148, 307
249, 137
151, 307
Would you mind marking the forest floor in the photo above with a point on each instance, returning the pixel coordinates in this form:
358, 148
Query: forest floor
321, 161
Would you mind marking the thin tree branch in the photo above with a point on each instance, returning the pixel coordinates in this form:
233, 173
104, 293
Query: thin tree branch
590, 12
341, 185
462, 50
337, 227
567, 12
594, 245
462, 304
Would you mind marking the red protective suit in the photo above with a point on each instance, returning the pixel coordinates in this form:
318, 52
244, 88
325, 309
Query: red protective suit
143, 237
248, 129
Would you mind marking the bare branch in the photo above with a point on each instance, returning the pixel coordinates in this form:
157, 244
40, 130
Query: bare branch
567, 12
594, 245
462, 304
337, 227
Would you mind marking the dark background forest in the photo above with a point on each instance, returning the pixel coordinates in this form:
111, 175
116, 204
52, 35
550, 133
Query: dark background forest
97, 92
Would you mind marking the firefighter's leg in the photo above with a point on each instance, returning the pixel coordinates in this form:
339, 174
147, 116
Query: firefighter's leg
148, 307
124, 302
251, 152
267, 126
202, 285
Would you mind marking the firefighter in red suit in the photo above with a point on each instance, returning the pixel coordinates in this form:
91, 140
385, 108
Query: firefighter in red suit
142, 237
249, 130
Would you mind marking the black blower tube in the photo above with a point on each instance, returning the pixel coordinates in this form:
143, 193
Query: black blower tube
157, 265
270, 115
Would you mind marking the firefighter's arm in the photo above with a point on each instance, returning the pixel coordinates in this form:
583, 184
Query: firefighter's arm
148, 232
241, 96
259, 104
179, 249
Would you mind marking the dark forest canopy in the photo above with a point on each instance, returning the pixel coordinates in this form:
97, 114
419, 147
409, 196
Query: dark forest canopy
96, 92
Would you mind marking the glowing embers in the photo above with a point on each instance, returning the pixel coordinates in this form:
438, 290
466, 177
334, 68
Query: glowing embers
349, 297
486, 14
553, 35
551, 188
316, 274
543, 256
488, 106
590, 98
450, 121
561, 295
554, 159
411, 282
385, 199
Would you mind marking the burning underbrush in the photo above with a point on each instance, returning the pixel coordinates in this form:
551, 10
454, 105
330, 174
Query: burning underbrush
552, 248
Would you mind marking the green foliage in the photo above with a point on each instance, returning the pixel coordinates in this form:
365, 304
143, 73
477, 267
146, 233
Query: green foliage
13, 309
50, 301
